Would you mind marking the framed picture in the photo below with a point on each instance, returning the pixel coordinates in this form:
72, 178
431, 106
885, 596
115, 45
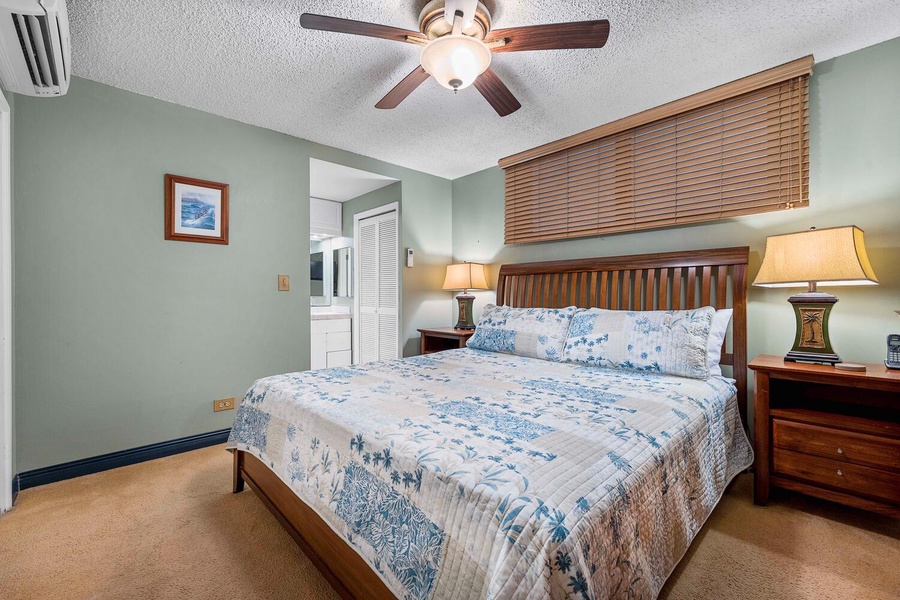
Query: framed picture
196, 210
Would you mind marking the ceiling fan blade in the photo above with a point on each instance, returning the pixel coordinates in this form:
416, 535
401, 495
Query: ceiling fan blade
496, 93
323, 23
556, 36
403, 89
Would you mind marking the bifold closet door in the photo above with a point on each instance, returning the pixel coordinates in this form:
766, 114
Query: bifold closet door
379, 287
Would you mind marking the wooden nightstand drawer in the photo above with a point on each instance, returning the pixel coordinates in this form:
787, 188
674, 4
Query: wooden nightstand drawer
844, 446
839, 475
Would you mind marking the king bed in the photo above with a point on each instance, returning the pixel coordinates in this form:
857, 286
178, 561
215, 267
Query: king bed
537, 462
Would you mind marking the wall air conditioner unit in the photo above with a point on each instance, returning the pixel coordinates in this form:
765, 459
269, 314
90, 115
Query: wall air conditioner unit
35, 56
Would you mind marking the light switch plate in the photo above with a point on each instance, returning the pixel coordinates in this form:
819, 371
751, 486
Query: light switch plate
284, 283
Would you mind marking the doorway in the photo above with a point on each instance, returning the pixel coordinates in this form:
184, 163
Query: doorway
6, 394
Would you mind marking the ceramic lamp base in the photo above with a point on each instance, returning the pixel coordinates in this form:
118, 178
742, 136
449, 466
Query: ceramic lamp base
811, 342
465, 311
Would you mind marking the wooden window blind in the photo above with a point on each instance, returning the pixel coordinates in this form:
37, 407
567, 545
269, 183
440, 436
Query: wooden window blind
739, 149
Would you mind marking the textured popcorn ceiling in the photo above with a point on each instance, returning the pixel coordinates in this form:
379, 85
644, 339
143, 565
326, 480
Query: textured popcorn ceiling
251, 61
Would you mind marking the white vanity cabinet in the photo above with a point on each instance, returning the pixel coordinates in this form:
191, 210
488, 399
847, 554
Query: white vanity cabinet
330, 342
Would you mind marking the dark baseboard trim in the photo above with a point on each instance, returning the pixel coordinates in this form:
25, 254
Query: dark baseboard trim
95, 464
15, 488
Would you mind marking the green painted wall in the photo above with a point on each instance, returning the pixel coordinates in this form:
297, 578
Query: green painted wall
854, 179
425, 223
124, 338
380, 197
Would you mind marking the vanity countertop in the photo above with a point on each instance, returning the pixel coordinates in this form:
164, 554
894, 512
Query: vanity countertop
326, 316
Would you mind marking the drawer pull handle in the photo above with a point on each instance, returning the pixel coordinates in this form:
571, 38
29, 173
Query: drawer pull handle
840, 450
840, 472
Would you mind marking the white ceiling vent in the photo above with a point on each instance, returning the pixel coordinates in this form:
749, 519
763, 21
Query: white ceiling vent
34, 47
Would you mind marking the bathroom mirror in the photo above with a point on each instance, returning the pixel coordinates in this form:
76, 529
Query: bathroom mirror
330, 271
316, 274
342, 280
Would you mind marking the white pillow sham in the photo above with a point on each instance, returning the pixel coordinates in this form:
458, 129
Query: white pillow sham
716, 337
671, 341
533, 332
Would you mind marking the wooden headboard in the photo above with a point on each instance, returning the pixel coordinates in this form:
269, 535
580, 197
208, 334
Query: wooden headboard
666, 281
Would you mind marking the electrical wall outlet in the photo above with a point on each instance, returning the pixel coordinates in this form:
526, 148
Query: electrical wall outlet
223, 404
284, 283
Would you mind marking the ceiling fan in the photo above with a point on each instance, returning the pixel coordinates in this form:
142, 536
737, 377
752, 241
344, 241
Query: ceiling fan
457, 42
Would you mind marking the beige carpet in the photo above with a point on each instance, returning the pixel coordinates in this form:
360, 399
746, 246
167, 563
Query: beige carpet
170, 528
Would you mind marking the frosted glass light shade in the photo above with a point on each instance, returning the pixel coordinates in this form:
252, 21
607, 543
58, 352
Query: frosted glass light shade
455, 61
835, 256
465, 276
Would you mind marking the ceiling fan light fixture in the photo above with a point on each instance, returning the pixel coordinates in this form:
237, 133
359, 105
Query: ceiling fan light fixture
456, 61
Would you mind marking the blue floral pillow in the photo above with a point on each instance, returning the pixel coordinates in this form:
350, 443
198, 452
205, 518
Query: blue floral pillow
661, 341
533, 332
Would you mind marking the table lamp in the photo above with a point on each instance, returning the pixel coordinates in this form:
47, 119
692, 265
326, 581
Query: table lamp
834, 256
465, 277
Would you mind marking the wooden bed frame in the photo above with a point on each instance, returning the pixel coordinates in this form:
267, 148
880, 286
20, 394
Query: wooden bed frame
674, 280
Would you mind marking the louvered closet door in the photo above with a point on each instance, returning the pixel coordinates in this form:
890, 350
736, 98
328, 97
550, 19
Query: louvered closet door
378, 247
388, 288
367, 246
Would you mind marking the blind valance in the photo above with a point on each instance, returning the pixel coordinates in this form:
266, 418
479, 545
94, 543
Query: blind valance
733, 154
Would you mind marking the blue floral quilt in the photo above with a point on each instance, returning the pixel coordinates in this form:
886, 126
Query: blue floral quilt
473, 474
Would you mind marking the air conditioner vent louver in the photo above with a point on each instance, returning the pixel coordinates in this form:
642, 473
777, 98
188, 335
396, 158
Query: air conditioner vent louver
63, 58
34, 47
34, 40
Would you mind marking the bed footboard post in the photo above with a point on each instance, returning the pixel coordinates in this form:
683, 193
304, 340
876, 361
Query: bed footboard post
237, 485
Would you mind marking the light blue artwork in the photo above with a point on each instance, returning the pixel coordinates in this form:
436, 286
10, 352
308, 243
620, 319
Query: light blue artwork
198, 210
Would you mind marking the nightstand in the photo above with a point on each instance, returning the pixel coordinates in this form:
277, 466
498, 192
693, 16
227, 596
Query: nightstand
438, 339
828, 433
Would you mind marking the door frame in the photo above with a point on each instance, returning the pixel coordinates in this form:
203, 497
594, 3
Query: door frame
6, 391
374, 212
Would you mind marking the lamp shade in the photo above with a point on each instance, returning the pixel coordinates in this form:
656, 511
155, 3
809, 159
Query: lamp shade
465, 276
834, 256
455, 61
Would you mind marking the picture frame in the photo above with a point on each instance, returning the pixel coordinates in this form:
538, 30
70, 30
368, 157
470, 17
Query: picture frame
196, 210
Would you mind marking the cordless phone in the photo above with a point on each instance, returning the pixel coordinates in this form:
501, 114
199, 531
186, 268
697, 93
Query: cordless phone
893, 351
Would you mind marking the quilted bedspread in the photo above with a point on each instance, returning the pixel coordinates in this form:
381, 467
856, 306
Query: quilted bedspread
472, 474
